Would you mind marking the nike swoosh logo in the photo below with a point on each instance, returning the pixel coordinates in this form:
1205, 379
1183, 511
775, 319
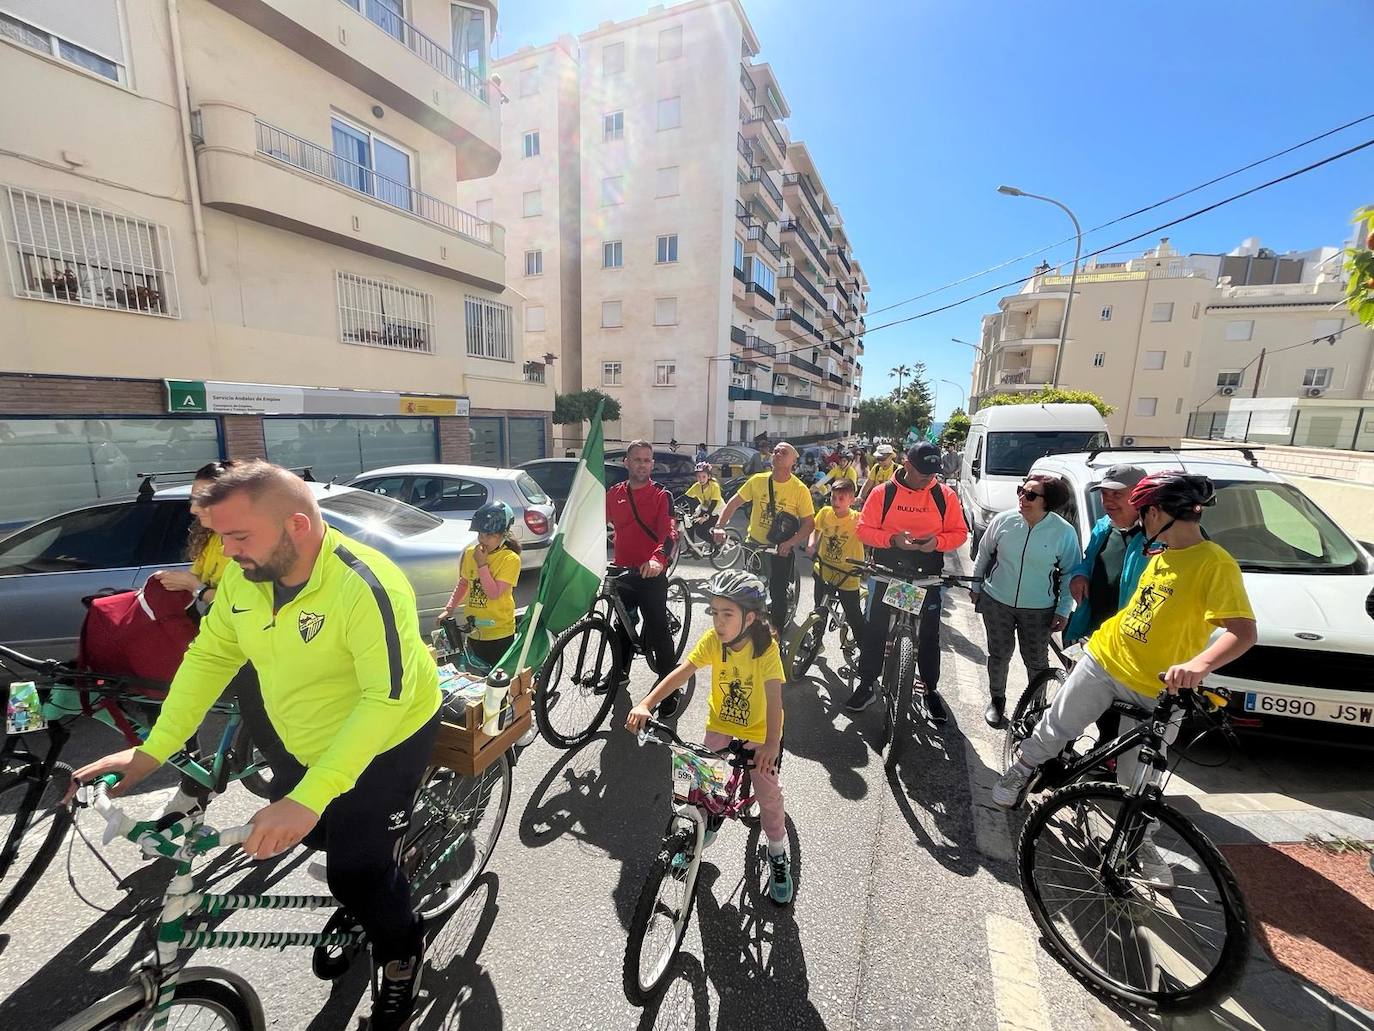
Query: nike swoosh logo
236, 610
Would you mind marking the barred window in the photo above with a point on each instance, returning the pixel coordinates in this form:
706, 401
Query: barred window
489, 327
381, 314
59, 250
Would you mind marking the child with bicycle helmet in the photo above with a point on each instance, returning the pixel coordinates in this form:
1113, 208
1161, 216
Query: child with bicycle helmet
745, 703
706, 493
487, 574
1189, 588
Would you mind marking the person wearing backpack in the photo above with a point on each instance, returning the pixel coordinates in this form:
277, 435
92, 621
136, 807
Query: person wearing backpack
911, 522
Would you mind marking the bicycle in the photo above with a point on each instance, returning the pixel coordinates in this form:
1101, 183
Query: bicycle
754, 553
591, 649
1182, 936
722, 556
704, 797
804, 644
32, 824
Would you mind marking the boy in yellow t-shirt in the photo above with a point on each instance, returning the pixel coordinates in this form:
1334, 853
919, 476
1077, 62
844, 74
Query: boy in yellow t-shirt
835, 543
706, 493
1189, 587
745, 704
487, 574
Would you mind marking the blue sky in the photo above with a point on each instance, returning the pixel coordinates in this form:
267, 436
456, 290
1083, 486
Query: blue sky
917, 111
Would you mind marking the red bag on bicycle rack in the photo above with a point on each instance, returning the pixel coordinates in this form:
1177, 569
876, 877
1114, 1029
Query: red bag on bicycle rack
141, 633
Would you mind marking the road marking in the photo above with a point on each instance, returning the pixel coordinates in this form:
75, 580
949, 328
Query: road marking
982, 759
1015, 977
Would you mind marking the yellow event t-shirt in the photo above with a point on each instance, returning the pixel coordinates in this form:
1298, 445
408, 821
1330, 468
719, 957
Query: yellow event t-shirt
1182, 595
209, 565
505, 567
707, 494
878, 473
839, 544
739, 703
790, 496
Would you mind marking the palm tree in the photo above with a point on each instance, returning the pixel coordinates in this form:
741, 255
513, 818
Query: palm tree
901, 372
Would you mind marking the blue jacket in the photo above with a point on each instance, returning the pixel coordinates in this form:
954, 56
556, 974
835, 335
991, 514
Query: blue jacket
1027, 567
1132, 567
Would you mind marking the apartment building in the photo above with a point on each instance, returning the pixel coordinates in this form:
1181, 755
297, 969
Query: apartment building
717, 295
229, 231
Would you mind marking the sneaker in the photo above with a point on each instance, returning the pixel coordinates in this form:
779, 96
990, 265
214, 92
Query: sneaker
667, 708
1010, 791
318, 869
1154, 868
861, 699
395, 987
680, 860
618, 682
187, 804
780, 878
935, 706
995, 714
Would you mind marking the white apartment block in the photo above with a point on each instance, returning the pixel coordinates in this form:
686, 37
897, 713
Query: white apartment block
716, 297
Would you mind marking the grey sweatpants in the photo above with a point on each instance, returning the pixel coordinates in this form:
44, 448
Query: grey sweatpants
1087, 694
1005, 625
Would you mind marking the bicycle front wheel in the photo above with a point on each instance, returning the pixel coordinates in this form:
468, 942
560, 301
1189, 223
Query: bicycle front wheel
1157, 921
903, 674
33, 823
728, 553
1038, 696
801, 648
577, 682
679, 615
661, 916
454, 830
198, 1005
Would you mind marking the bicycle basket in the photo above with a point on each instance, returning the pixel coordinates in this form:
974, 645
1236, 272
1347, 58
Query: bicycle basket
694, 776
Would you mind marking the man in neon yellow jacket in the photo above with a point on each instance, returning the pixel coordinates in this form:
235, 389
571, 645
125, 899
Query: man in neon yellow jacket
349, 686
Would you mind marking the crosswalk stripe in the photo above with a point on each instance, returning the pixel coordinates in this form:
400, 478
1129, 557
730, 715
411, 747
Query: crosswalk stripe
1016, 990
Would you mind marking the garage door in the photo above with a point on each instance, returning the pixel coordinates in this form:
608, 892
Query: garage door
342, 448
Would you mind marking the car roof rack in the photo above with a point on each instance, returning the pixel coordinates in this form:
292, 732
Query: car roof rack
1248, 452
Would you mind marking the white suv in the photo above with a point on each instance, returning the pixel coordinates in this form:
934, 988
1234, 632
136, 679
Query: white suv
1311, 586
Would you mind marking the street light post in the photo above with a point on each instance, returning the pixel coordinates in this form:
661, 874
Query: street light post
983, 354
963, 395
1012, 191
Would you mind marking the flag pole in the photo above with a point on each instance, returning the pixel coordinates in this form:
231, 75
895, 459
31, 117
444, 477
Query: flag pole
529, 635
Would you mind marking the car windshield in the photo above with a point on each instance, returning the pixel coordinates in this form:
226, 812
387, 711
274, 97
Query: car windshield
1013, 452
529, 487
377, 511
1271, 527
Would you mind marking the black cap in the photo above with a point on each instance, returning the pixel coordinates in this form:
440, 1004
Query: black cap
924, 457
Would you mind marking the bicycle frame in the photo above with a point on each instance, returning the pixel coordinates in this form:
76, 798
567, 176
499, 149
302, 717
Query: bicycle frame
700, 807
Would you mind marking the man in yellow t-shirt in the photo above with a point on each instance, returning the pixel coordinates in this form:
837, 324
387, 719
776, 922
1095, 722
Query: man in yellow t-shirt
880, 470
835, 543
771, 493
1184, 594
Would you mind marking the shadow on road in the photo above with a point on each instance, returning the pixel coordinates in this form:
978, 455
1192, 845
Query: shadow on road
812, 704
685, 1002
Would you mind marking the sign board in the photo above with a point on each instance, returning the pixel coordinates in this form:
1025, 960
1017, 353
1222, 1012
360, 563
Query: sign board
1094, 277
747, 411
201, 397
1260, 416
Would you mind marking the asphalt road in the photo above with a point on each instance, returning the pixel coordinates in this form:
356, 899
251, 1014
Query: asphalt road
908, 913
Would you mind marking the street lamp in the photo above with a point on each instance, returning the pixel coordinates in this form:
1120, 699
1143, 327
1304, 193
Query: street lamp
956, 340
1012, 191
963, 396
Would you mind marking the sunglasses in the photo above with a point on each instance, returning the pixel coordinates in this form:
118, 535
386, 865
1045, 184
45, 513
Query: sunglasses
1022, 492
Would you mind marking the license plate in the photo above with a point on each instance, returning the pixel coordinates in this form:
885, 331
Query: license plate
1360, 714
904, 596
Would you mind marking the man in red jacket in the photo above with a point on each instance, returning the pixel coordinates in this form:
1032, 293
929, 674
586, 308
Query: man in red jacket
910, 522
642, 514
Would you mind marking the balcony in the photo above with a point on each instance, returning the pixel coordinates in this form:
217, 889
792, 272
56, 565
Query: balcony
791, 225
798, 362
770, 145
744, 152
758, 300
375, 50
799, 184
749, 394
255, 170
759, 346
757, 239
837, 347
534, 372
750, 90
837, 380
792, 323
760, 187
839, 252
790, 271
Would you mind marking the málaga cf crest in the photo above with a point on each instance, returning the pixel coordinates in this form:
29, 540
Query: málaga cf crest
310, 624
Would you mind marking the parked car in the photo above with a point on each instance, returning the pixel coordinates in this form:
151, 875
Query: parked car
47, 568
1311, 674
454, 492
555, 476
738, 460
675, 470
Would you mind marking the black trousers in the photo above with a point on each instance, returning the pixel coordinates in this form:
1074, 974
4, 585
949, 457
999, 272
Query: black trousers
927, 637
360, 833
778, 571
849, 601
647, 598
490, 652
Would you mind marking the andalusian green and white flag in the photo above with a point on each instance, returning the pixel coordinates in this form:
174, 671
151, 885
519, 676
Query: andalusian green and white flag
576, 563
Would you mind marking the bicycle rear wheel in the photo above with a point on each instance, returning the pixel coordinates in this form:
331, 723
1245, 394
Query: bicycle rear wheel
198, 1005
898, 693
661, 917
1164, 927
1038, 696
679, 615
728, 553
33, 823
246, 754
576, 684
456, 823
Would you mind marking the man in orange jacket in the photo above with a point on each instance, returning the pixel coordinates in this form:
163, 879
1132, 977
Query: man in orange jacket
910, 522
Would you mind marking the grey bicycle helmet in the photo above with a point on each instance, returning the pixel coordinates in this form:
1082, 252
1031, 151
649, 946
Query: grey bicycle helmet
493, 517
745, 589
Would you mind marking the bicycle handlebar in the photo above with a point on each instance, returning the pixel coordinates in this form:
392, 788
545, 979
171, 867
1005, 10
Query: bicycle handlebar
156, 838
652, 730
883, 572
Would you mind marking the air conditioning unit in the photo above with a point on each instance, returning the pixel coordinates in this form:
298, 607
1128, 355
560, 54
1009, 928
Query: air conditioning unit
1226, 391
1128, 442
1315, 391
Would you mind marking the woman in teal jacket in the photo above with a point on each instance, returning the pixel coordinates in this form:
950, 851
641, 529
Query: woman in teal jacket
1114, 558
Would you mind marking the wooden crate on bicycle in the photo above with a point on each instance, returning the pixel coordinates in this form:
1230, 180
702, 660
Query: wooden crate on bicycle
466, 749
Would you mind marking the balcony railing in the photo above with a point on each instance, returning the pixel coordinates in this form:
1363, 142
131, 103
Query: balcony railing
762, 291
742, 145
761, 115
534, 372
420, 45
837, 348
844, 260
798, 362
758, 175
790, 314
835, 379
791, 225
797, 179
753, 343
747, 82
758, 234
308, 157
791, 270
742, 393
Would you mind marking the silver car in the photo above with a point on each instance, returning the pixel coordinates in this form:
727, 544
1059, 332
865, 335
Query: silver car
454, 492
47, 568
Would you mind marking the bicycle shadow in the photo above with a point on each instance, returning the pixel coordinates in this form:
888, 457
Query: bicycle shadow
686, 988
811, 732
457, 990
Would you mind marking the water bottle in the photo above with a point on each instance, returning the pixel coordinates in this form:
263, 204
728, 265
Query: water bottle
497, 711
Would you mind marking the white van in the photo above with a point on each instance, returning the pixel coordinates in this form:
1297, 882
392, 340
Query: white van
1003, 443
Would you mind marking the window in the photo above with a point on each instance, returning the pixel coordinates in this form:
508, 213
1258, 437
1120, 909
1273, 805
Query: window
1326, 327
63, 251
533, 203
611, 317
385, 14
382, 314
489, 329
739, 254
447, 494
667, 249
613, 59
532, 144
1229, 378
610, 374
534, 263
665, 311
1187, 359
667, 182
1099, 359
1145, 406
45, 42
529, 82
1240, 329
670, 43
664, 430
763, 276
613, 126
1317, 378
669, 113
612, 191
1154, 360
470, 40
1106, 314
1162, 312
612, 254
534, 318
665, 374
484, 209
371, 164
